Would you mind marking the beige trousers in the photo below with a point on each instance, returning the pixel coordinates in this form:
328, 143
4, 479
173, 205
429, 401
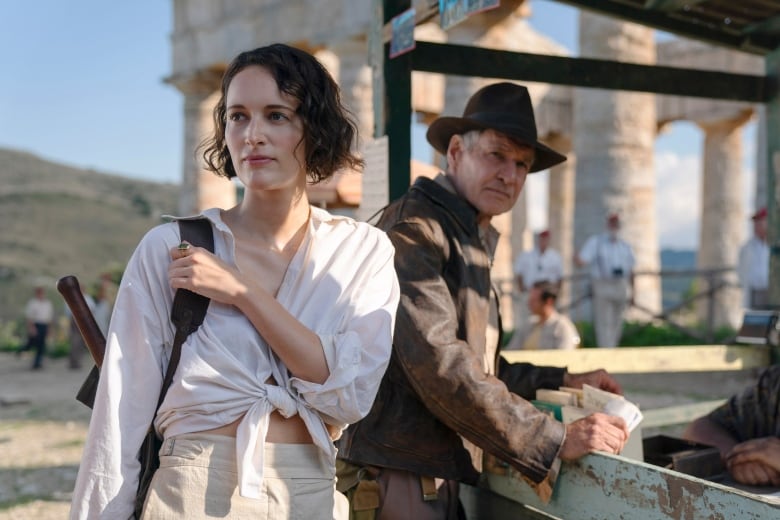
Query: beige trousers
610, 298
197, 479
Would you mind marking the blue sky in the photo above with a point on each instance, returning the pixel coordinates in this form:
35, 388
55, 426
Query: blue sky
83, 84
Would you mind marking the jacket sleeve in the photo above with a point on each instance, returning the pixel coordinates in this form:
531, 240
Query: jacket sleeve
447, 374
524, 379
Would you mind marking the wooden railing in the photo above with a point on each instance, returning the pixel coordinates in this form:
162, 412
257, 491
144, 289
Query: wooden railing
600, 486
578, 293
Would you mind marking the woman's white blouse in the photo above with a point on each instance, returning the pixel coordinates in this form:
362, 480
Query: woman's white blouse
341, 284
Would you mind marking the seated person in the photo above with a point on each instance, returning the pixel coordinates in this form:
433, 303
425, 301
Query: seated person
548, 328
745, 430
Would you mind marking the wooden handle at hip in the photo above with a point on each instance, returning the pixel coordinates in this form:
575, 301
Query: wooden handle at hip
69, 288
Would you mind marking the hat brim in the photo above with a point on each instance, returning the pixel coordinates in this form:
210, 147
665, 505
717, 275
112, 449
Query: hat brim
442, 129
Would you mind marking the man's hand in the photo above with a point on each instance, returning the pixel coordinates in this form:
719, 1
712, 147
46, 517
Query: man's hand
597, 378
596, 432
756, 462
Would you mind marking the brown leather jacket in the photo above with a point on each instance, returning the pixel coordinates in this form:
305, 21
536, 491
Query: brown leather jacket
437, 409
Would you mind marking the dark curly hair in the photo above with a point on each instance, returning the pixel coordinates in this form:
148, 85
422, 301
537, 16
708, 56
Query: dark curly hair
328, 127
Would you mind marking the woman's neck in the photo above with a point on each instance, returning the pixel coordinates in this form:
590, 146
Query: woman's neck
275, 222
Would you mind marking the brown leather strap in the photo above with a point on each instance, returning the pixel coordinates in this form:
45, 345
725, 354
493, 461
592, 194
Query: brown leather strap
189, 309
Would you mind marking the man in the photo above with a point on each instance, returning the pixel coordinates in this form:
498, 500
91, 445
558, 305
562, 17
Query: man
746, 430
549, 329
541, 263
38, 314
611, 262
447, 395
753, 269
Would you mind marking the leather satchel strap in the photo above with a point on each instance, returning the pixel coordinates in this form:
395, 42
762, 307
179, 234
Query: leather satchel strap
189, 309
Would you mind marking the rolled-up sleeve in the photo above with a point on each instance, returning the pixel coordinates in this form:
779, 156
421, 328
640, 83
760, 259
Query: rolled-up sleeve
357, 353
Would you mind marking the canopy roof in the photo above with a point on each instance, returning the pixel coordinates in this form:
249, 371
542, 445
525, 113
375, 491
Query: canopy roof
746, 25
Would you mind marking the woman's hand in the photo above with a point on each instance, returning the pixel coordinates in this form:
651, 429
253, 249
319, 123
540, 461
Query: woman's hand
200, 271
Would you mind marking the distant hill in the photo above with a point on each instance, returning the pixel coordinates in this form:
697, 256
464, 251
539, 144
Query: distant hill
58, 220
675, 287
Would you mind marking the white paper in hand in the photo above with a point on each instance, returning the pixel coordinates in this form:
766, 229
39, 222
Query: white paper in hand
625, 409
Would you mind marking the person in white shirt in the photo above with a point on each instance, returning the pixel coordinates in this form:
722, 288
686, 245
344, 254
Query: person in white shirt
38, 314
549, 328
541, 263
529, 267
297, 335
611, 262
753, 267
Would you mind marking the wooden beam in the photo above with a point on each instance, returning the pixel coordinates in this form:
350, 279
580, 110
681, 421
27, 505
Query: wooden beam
637, 360
768, 25
464, 60
670, 5
600, 486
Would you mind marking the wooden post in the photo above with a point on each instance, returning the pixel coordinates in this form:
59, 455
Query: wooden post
773, 179
397, 86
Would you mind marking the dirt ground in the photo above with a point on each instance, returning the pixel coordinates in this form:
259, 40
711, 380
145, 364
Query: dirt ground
43, 427
42, 431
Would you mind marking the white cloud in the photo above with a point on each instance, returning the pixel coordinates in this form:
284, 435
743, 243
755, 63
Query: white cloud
678, 200
536, 197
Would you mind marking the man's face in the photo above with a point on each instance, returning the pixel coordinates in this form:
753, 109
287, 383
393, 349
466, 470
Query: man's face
535, 303
760, 228
543, 241
489, 172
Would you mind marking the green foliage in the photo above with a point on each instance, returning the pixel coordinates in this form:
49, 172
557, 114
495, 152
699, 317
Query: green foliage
141, 205
638, 334
11, 335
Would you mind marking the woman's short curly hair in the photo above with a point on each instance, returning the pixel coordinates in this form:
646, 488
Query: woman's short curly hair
328, 128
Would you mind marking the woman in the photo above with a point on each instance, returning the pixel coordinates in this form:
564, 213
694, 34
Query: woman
297, 334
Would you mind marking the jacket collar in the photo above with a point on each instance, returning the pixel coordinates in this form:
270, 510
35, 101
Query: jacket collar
463, 212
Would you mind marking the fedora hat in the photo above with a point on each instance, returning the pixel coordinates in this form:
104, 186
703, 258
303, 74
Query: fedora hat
503, 107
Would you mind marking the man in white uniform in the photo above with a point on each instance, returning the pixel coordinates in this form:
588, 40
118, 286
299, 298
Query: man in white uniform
540, 263
753, 269
611, 262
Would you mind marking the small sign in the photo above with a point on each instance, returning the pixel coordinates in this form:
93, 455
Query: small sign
452, 12
477, 6
402, 39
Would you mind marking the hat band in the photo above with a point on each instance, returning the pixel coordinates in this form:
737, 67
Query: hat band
519, 124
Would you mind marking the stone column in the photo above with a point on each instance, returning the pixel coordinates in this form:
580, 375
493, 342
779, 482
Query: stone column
560, 208
614, 133
722, 219
354, 78
761, 198
201, 188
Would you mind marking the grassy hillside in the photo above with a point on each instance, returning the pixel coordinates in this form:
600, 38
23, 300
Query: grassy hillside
58, 220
